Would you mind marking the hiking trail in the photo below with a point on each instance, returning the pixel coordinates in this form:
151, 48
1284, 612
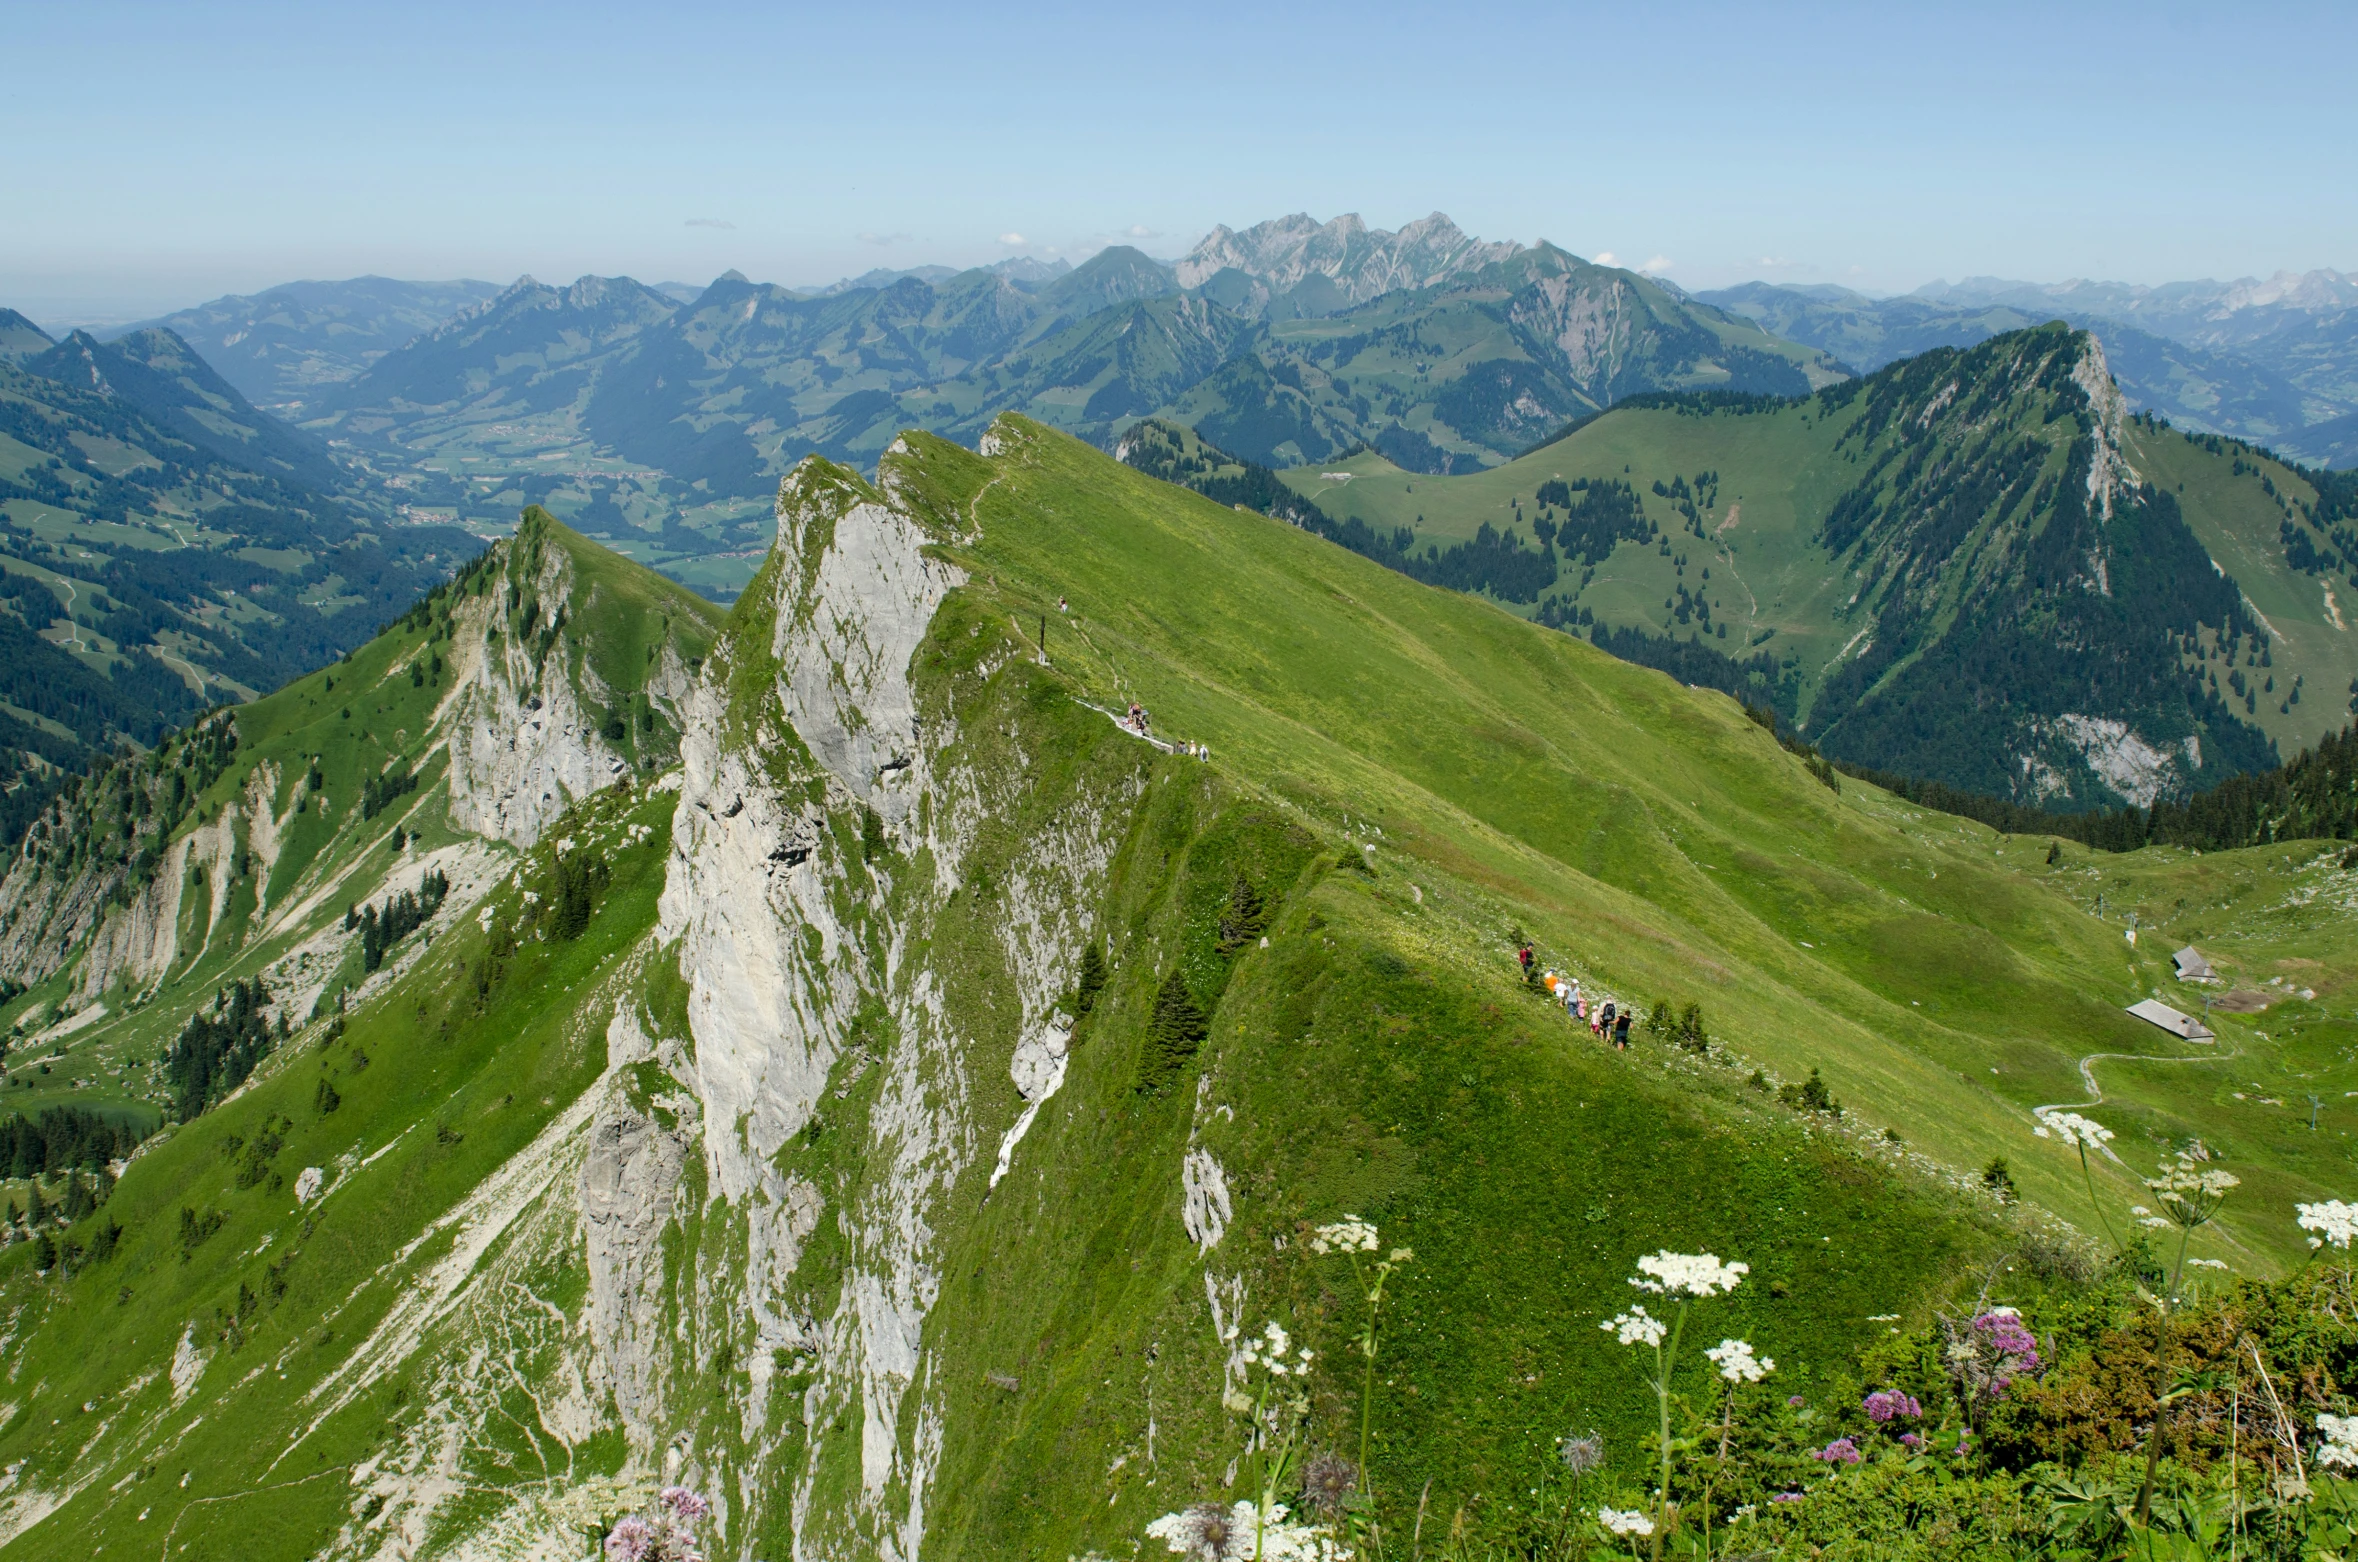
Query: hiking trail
2096, 1091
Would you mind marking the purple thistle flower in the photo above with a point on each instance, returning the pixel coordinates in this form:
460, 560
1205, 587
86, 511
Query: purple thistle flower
2007, 1336
1796, 1401
630, 1540
1914, 1440
1786, 1496
1888, 1404
1840, 1451
684, 1502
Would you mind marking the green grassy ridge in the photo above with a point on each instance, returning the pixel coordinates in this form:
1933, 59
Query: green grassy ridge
1074, 1280
1674, 847
1781, 470
1366, 1082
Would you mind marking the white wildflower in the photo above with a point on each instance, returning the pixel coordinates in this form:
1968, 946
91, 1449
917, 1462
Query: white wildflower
1268, 1353
1637, 1327
1348, 1235
1189, 1532
1620, 1522
2208, 1263
2334, 1221
2341, 1441
1737, 1363
1688, 1274
2190, 1190
2074, 1129
2156, 1222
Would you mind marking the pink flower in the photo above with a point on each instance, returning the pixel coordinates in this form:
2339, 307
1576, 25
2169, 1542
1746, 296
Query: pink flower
630, 1540
1786, 1496
1914, 1440
1796, 1401
1840, 1451
684, 1502
1889, 1404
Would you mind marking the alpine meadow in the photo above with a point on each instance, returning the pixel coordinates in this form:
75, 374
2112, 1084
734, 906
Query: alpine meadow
1331, 892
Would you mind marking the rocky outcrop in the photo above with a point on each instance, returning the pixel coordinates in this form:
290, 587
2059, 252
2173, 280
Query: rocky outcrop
629, 1186
2109, 472
45, 914
523, 747
141, 942
128, 928
802, 988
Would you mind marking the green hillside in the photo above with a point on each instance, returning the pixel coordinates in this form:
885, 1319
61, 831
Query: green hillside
889, 1114
162, 550
1870, 559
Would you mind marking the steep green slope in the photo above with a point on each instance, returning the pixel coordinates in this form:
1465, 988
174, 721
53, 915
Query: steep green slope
1961, 534
226, 851
900, 1150
161, 553
158, 376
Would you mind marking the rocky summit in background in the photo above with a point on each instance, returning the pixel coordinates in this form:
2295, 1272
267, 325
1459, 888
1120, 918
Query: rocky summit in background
1298, 265
658, 424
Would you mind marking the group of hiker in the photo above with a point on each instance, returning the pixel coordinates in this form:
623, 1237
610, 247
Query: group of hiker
1136, 720
1606, 1018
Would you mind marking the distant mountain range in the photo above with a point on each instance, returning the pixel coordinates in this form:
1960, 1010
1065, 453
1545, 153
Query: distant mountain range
2274, 362
660, 416
649, 420
281, 347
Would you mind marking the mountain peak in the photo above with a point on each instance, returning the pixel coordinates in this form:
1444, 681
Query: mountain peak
1358, 261
20, 338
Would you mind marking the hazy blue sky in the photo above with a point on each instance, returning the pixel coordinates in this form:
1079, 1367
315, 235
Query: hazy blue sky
161, 154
